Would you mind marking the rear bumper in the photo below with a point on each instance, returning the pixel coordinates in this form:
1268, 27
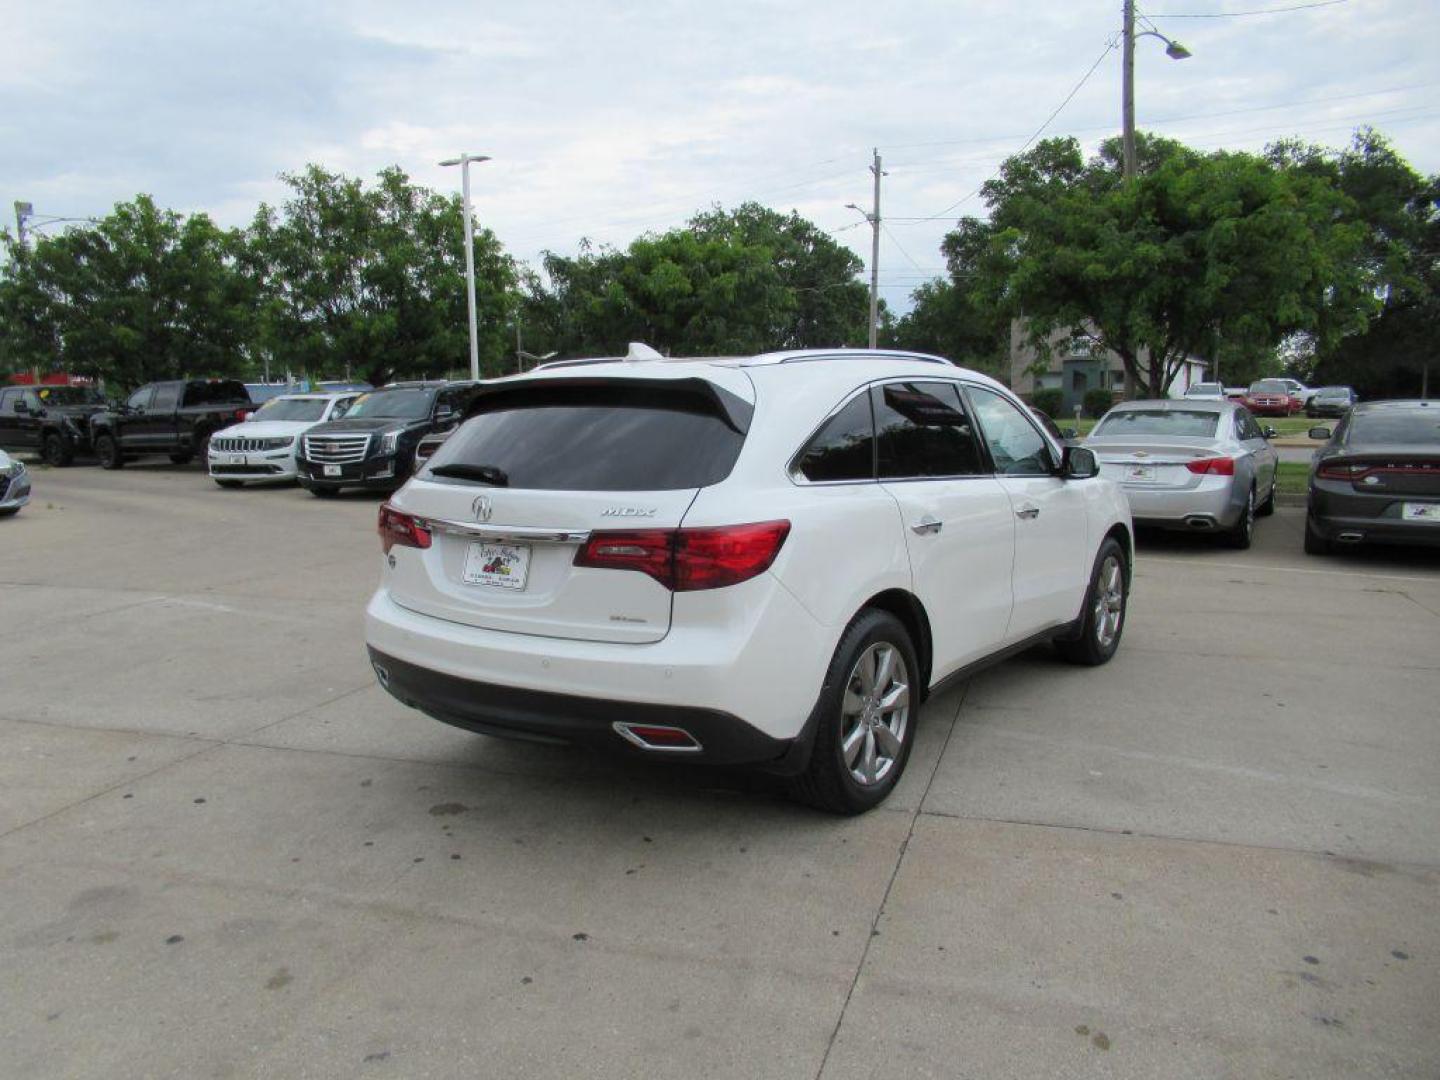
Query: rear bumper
764, 672
1343, 517
1212, 504
544, 716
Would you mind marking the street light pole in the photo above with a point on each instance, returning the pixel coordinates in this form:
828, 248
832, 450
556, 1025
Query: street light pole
464, 161
1173, 49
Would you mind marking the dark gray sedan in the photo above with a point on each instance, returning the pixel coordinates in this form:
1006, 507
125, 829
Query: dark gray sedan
1377, 478
1197, 465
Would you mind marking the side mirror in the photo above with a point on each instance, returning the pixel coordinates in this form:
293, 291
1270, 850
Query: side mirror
1078, 463
1319, 433
1069, 433
1269, 432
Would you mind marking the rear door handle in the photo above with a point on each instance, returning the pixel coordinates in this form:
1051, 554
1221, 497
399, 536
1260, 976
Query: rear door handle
1028, 513
926, 525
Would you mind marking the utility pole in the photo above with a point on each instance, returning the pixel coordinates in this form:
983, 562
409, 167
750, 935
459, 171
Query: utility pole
23, 212
1127, 91
464, 161
874, 219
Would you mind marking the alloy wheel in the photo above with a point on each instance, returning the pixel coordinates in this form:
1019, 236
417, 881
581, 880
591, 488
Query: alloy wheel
1109, 602
875, 713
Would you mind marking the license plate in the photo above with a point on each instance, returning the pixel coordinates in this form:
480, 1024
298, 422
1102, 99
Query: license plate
1139, 474
1420, 512
504, 566
237, 459
332, 470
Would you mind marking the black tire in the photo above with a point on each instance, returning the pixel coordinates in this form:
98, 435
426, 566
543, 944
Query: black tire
55, 450
1315, 543
1266, 508
9, 511
1094, 647
323, 491
1242, 535
228, 483
201, 449
828, 782
108, 451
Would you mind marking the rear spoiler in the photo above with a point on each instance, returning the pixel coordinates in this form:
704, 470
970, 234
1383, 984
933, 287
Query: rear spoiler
734, 410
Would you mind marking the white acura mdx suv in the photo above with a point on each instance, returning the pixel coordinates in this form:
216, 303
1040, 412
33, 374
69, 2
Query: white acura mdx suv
772, 560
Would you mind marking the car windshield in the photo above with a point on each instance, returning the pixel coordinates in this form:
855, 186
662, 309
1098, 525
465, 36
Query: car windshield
291, 409
1334, 391
1182, 423
1396, 426
1269, 386
396, 404
69, 395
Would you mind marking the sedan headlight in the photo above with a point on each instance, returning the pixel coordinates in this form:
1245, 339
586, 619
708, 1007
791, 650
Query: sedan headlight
15, 468
389, 441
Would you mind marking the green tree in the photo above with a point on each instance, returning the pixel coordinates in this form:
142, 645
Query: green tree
739, 281
143, 294
1196, 248
372, 280
1397, 209
947, 320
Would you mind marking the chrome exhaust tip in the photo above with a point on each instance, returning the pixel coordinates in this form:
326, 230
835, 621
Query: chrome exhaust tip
1200, 522
662, 738
1350, 537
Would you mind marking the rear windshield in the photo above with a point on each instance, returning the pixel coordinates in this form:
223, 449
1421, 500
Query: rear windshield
395, 404
1204, 388
219, 392
1395, 426
291, 409
587, 438
1178, 422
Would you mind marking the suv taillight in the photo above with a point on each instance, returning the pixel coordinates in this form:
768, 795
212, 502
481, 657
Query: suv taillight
686, 560
400, 529
1214, 466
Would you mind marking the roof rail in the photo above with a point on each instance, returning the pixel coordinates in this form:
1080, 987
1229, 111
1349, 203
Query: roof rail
807, 355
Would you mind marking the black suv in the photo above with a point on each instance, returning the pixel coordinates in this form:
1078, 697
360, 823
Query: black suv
175, 418
373, 447
52, 421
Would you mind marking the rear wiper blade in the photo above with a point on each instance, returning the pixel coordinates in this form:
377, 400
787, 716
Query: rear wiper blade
486, 474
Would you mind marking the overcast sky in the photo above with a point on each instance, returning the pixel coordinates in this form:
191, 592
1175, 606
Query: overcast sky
608, 118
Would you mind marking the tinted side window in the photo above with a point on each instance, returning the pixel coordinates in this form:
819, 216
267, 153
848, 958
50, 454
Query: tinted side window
844, 449
922, 429
166, 397
1015, 446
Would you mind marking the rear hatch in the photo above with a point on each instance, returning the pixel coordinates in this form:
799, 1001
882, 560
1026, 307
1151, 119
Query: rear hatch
512, 496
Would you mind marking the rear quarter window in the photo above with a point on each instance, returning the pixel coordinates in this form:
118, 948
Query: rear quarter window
588, 438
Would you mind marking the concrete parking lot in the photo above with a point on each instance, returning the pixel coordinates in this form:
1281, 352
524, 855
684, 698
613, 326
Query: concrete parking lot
224, 852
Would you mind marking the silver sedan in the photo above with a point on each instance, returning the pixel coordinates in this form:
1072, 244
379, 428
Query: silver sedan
1195, 465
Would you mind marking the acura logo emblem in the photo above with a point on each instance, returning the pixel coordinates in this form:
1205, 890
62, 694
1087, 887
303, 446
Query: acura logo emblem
483, 507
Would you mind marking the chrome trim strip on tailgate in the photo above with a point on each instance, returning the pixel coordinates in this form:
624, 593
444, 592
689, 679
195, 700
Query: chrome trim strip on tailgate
503, 532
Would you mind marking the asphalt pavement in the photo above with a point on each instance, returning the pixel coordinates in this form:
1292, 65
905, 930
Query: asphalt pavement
224, 852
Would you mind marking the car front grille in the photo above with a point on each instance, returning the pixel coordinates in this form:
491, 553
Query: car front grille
337, 449
231, 445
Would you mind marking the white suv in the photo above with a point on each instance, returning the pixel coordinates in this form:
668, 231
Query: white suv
772, 560
263, 446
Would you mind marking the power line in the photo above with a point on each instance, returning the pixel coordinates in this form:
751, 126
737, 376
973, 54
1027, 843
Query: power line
1244, 14
1109, 48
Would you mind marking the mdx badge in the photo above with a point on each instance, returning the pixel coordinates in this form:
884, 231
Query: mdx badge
483, 507
628, 511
